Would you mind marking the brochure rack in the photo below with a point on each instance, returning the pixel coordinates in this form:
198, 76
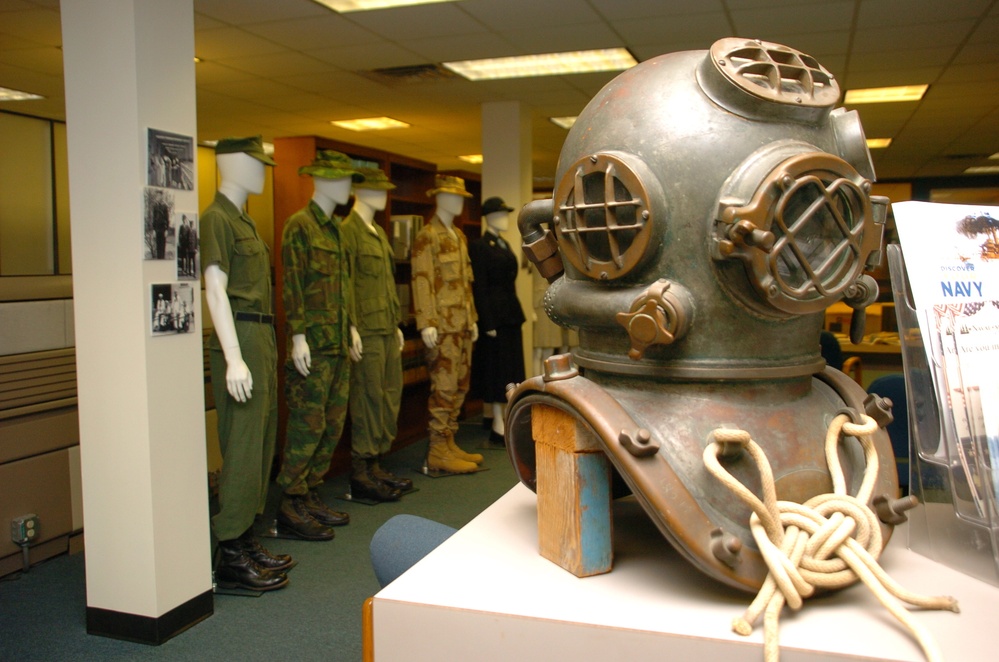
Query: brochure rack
956, 523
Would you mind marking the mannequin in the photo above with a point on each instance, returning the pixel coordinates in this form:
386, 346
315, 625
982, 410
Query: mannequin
376, 376
498, 359
242, 356
316, 296
445, 316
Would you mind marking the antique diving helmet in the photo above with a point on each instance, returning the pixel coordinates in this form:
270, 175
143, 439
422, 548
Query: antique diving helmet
709, 205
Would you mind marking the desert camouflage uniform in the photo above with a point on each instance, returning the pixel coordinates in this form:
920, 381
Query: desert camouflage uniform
316, 303
442, 298
376, 380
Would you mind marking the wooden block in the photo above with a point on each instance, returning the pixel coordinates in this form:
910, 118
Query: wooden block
574, 496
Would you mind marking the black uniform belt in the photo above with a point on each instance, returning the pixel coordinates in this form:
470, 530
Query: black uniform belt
244, 316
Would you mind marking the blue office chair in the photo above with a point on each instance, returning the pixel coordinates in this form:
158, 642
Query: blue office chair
893, 388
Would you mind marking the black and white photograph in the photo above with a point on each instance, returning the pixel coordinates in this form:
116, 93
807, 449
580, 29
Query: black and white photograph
187, 245
172, 308
171, 160
158, 225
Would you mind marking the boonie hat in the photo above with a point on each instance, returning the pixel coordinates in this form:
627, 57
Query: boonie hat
329, 164
374, 178
448, 184
494, 204
252, 145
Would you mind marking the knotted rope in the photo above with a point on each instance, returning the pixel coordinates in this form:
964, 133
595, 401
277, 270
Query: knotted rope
829, 542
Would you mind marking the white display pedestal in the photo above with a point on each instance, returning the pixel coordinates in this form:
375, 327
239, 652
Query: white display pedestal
486, 594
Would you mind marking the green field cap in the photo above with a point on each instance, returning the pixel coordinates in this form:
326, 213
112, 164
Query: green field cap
329, 164
252, 145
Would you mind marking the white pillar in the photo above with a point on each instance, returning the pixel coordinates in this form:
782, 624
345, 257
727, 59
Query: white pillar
129, 67
507, 172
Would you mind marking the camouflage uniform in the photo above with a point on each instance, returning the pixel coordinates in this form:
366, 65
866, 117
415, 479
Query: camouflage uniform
247, 430
442, 298
316, 303
376, 380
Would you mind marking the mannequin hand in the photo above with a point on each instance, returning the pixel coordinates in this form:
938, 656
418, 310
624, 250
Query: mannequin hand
475, 332
429, 336
356, 350
238, 380
300, 354
491, 334
400, 338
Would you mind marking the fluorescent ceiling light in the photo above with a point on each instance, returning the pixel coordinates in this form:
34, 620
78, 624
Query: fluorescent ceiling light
370, 124
981, 170
471, 158
878, 143
547, 64
885, 94
564, 122
7, 94
347, 6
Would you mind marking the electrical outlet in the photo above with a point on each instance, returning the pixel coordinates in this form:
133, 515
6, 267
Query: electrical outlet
24, 529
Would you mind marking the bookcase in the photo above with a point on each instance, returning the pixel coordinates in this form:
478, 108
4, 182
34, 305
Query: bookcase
413, 178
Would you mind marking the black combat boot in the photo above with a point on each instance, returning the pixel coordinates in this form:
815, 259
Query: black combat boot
236, 569
262, 556
363, 485
294, 517
401, 484
323, 513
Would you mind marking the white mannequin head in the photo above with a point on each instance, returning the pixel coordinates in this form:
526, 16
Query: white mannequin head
498, 221
450, 203
331, 192
241, 171
374, 198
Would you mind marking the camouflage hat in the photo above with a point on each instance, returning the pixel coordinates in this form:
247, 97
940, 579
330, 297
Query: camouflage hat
374, 178
332, 165
449, 184
252, 145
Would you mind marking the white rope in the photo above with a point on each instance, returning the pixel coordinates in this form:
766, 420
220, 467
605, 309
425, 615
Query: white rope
829, 542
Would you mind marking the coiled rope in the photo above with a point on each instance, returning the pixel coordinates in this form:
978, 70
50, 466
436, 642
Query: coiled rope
828, 542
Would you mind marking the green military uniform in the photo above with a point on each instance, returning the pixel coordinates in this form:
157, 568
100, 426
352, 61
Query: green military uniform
442, 298
316, 302
376, 380
247, 430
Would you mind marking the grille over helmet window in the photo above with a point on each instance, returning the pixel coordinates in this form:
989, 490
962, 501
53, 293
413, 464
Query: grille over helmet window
602, 218
806, 234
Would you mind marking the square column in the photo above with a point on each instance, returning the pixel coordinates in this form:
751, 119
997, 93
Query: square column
128, 68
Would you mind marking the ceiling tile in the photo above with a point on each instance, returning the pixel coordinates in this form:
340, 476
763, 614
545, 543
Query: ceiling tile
889, 39
243, 12
665, 31
231, 42
435, 20
762, 22
365, 57
276, 64
889, 13
563, 38
516, 14
459, 47
314, 32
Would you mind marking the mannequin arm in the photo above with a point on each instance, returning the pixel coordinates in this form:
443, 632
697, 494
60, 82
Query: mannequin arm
356, 350
238, 380
429, 336
300, 354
